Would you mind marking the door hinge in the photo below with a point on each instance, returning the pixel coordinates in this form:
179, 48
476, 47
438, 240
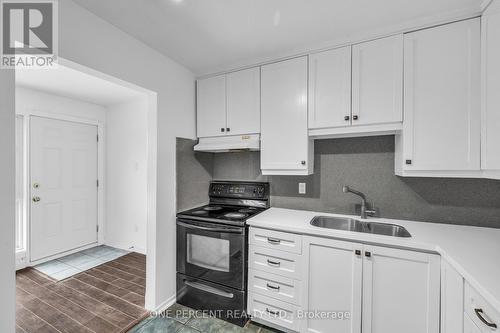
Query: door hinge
97, 228
97, 182
97, 137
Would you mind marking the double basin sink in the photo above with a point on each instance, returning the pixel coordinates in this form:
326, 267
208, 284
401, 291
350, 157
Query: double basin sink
349, 224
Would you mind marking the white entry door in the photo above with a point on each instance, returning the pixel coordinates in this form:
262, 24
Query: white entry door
63, 186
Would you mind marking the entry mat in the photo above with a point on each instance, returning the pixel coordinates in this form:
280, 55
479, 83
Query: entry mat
65, 267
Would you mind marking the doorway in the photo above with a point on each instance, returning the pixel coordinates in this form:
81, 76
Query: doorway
85, 196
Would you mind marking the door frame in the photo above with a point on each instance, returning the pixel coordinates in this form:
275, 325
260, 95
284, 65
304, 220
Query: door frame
27, 114
151, 301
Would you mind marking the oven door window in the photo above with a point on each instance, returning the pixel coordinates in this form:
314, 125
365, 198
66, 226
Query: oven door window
208, 252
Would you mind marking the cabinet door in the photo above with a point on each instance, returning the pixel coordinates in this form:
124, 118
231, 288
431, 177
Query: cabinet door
400, 291
243, 102
333, 283
211, 107
377, 81
491, 86
452, 299
330, 88
285, 145
442, 98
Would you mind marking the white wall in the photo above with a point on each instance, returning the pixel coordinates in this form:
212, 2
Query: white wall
86, 39
90, 41
28, 100
7, 201
126, 175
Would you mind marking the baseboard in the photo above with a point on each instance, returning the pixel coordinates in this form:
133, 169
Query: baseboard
126, 247
165, 305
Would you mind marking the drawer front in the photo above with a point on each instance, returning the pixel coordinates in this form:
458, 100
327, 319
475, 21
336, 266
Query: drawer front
276, 240
273, 261
480, 311
265, 309
274, 286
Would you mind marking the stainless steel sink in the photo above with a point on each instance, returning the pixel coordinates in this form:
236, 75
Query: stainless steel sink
385, 229
340, 223
349, 224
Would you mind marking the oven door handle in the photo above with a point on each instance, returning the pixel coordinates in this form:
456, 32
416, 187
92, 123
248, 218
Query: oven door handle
197, 227
208, 289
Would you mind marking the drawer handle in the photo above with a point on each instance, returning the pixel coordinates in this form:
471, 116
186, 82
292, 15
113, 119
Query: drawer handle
479, 315
270, 286
274, 313
273, 263
273, 241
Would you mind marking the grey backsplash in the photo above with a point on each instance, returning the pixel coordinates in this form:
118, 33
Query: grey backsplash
366, 164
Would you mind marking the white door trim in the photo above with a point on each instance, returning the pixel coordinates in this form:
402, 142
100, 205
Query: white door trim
25, 260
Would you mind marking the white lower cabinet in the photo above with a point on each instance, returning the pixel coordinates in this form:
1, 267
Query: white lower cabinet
452, 299
400, 291
333, 284
345, 287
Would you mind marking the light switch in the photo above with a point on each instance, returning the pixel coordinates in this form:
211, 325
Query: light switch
302, 188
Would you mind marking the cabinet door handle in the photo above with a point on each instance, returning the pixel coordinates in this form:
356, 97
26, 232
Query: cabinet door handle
270, 286
480, 316
273, 241
303, 162
355, 117
273, 263
228, 129
274, 313
346, 118
222, 129
368, 254
357, 252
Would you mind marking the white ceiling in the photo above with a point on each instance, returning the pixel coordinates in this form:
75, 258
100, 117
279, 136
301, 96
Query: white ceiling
213, 35
67, 82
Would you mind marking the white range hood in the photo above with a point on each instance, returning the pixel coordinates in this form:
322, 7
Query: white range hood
229, 143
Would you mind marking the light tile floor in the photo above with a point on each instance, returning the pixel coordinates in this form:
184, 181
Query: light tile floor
180, 319
73, 264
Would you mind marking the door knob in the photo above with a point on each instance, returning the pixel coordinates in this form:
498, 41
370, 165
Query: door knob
36, 199
36, 185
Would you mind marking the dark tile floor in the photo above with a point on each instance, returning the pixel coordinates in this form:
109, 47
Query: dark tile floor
180, 319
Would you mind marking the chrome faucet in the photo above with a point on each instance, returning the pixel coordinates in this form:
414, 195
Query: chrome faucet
365, 212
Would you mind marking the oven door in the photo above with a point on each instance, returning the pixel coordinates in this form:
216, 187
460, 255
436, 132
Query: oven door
212, 252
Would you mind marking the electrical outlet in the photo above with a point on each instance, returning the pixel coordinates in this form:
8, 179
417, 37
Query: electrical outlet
302, 188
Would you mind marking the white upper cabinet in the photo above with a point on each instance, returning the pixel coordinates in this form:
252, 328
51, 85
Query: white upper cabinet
229, 104
330, 88
243, 102
211, 106
400, 291
490, 89
370, 100
377, 81
285, 145
441, 134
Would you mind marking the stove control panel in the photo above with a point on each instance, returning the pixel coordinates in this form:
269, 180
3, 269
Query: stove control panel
239, 190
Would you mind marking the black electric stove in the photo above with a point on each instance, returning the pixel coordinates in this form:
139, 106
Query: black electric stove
212, 249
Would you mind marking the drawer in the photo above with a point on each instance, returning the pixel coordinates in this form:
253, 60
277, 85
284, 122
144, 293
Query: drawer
274, 261
274, 286
276, 240
480, 311
268, 310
